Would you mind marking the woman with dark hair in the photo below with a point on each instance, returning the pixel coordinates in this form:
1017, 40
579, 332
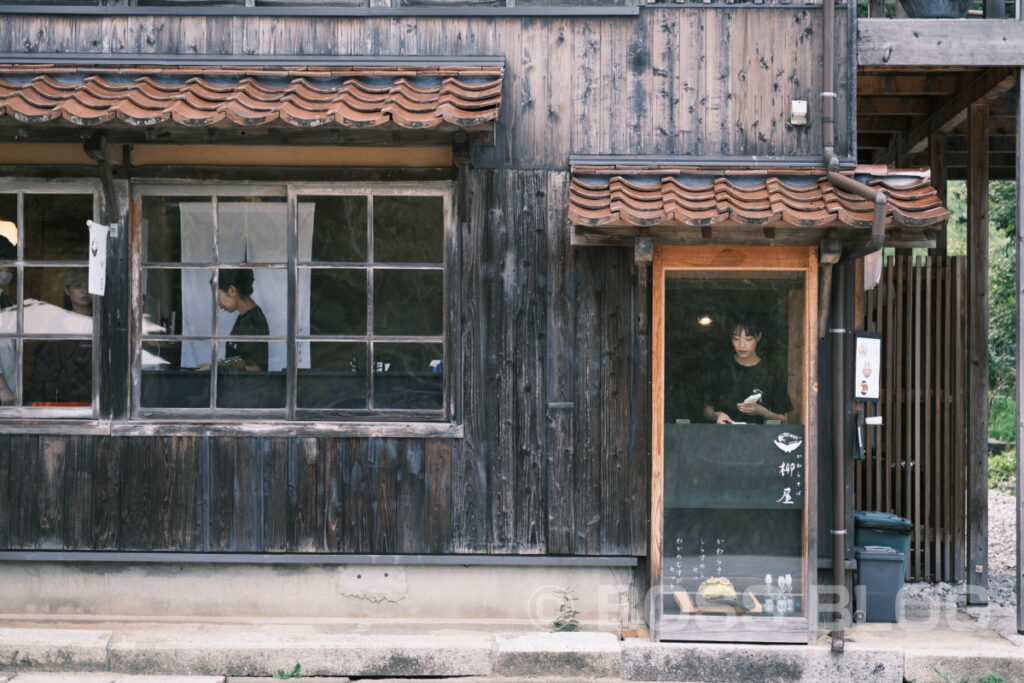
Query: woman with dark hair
62, 369
746, 388
234, 294
8, 353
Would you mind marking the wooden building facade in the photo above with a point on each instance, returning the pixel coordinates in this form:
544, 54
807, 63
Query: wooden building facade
524, 127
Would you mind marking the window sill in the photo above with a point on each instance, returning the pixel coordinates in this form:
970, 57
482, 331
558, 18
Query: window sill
410, 430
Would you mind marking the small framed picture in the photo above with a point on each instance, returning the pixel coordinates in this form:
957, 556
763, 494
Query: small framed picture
867, 366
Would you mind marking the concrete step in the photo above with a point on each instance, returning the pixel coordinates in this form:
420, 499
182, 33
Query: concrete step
330, 652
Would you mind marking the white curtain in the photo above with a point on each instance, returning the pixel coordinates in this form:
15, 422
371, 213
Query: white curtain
250, 232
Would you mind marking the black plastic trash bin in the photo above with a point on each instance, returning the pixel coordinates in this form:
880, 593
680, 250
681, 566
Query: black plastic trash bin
879, 580
883, 528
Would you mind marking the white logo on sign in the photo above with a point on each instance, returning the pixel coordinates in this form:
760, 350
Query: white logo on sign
787, 442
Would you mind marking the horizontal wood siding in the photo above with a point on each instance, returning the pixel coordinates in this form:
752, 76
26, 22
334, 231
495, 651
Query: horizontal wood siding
716, 81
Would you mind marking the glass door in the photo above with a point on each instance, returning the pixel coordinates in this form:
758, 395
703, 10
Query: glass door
734, 331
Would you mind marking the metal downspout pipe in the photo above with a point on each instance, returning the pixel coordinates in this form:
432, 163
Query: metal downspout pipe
837, 329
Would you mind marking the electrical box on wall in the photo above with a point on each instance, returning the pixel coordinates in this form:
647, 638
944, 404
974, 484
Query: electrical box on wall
798, 113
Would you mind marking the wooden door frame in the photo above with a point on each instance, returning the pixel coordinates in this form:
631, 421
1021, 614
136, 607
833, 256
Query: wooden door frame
727, 258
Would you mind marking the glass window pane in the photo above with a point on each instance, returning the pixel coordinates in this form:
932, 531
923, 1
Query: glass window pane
408, 302
162, 299
733, 444
58, 372
336, 378
339, 228
337, 301
10, 364
252, 230
55, 227
177, 229
57, 301
167, 382
408, 229
243, 387
8, 228
408, 376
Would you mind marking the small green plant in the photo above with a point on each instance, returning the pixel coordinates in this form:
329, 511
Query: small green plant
294, 673
567, 612
991, 678
1002, 468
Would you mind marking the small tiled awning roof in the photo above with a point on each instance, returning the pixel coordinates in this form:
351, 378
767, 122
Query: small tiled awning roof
463, 97
679, 202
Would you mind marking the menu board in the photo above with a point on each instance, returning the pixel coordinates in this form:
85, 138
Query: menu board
734, 466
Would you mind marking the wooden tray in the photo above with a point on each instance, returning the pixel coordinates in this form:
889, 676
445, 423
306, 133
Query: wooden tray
687, 606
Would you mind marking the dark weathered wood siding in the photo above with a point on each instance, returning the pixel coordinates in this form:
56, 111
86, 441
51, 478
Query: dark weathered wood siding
553, 342
715, 81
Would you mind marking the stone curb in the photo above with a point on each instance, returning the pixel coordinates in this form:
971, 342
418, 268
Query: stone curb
104, 677
725, 663
207, 655
256, 654
50, 649
533, 655
957, 665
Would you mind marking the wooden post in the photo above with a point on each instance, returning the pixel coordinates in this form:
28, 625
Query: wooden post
1020, 336
977, 355
937, 162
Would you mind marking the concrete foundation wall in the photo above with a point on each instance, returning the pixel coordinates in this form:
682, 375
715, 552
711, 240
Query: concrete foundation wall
526, 594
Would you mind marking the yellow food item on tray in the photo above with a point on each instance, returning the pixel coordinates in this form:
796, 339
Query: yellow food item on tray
716, 589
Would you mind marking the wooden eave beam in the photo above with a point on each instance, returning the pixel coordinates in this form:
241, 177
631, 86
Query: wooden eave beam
940, 42
989, 86
938, 84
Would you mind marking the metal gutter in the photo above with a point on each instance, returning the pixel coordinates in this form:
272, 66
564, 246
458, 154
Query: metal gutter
317, 559
709, 162
319, 11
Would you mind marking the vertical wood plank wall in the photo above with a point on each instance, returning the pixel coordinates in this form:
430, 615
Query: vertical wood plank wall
670, 81
916, 463
554, 341
555, 375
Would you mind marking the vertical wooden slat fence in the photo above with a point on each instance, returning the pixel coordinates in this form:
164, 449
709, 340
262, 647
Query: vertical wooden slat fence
915, 464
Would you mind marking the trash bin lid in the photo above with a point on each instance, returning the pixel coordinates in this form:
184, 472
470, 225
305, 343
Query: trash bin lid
885, 521
878, 552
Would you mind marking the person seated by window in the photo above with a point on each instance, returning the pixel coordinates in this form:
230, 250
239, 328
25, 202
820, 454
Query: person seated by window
8, 350
62, 369
745, 387
234, 294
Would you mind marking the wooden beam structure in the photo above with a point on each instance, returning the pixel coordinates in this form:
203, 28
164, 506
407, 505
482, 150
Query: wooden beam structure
937, 150
977, 356
950, 42
992, 84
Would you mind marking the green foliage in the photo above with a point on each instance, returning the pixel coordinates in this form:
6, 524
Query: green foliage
1002, 419
294, 673
1002, 468
1002, 325
567, 612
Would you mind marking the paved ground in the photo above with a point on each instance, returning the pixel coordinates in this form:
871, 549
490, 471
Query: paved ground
944, 645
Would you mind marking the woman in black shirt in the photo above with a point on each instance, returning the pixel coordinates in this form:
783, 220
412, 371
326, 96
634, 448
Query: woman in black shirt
234, 293
746, 388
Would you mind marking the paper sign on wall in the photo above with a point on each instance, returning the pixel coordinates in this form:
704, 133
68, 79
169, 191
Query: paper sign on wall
867, 363
97, 257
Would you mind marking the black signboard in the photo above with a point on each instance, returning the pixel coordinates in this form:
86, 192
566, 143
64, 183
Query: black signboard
734, 466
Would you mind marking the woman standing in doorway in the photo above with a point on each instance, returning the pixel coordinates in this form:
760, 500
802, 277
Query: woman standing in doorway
746, 388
